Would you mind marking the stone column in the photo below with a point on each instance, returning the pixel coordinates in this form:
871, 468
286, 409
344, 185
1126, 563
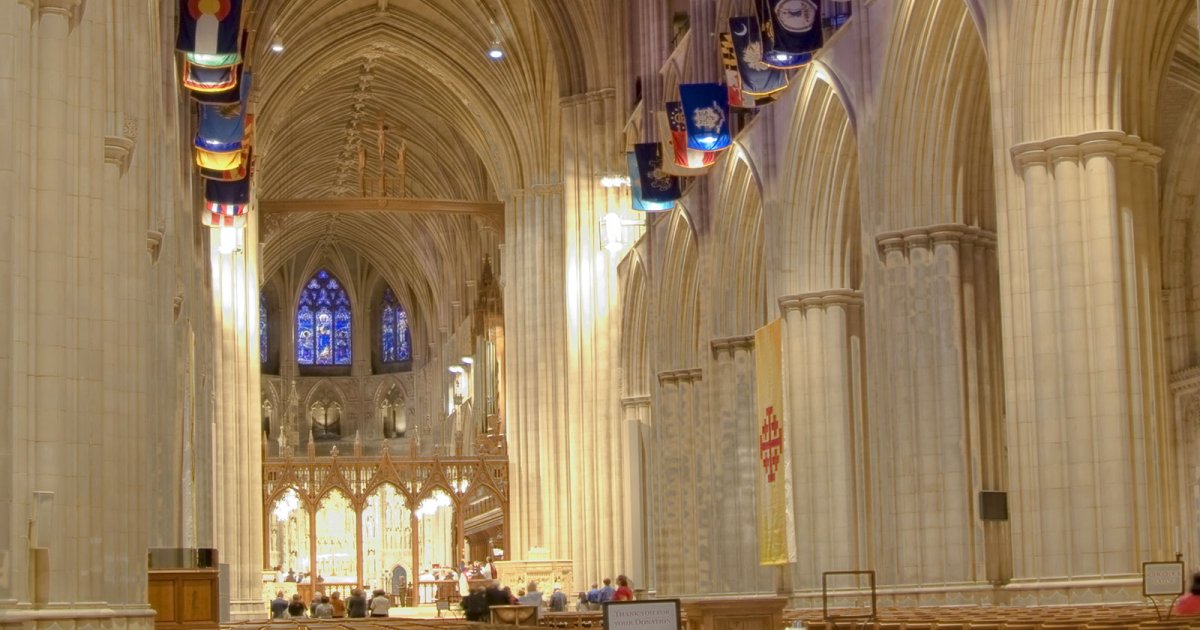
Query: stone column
733, 485
827, 432
51, 381
238, 453
541, 523
935, 438
1091, 476
682, 556
16, 83
639, 565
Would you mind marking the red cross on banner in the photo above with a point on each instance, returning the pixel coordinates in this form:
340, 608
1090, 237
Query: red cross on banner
776, 537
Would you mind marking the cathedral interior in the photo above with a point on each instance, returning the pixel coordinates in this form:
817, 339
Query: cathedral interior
727, 297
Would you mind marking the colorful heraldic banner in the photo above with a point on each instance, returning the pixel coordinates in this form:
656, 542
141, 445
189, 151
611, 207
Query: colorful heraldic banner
639, 202
706, 109
795, 25
757, 77
776, 542
657, 186
209, 27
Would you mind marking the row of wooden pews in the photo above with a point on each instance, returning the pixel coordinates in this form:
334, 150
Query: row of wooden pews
1094, 617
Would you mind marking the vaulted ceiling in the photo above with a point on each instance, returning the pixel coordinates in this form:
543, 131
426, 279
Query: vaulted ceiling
473, 128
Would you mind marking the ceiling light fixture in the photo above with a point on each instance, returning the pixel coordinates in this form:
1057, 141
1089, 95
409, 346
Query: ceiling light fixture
614, 181
277, 46
496, 52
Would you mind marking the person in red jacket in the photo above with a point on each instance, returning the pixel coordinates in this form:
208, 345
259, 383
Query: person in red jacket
624, 590
1190, 604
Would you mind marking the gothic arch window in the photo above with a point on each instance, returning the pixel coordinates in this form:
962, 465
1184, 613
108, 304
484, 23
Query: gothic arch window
395, 338
323, 322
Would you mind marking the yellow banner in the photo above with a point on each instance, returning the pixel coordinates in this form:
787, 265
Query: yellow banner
776, 542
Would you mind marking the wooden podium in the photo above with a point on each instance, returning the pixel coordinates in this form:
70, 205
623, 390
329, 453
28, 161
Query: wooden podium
184, 588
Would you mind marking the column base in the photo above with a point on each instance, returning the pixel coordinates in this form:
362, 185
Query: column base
68, 616
248, 610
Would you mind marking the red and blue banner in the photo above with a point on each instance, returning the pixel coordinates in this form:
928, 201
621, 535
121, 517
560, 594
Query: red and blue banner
684, 161
706, 110
207, 80
209, 27
227, 193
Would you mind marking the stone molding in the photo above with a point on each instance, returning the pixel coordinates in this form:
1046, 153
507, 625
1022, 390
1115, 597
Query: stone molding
587, 97
1110, 143
635, 401
154, 240
681, 376
67, 8
820, 299
118, 150
731, 344
956, 234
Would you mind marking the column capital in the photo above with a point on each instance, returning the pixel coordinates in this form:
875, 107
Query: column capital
1110, 142
67, 8
681, 376
635, 401
732, 344
920, 237
117, 151
820, 299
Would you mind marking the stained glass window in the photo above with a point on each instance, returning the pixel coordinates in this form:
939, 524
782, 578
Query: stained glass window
262, 328
394, 334
323, 322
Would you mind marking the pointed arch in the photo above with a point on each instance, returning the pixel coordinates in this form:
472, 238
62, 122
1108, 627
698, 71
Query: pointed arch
739, 303
678, 322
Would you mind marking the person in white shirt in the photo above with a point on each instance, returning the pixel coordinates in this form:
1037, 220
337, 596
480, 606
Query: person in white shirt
380, 604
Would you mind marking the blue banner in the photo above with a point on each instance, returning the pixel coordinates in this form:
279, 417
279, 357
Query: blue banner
706, 106
235, 192
657, 185
209, 27
635, 182
223, 127
758, 77
793, 27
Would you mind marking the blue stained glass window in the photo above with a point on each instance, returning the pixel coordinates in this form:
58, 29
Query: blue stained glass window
323, 322
262, 328
394, 333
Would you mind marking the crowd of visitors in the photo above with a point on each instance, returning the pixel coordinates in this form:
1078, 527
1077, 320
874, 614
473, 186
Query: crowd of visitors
331, 606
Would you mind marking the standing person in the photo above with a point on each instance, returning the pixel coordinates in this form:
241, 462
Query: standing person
593, 597
279, 606
339, 605
558, 600
380, 604
356, 604
606, 593
296, 608
624, 592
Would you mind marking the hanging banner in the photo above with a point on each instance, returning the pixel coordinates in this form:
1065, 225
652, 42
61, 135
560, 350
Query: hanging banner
205, 80
213, 61
229, 161
240, 172
733, 80
684, 162
210, 27
794, 25
223, 220
776, 542
225, 209
706, 110
757, 77
236, 192
223, 127
635, 189
657, 185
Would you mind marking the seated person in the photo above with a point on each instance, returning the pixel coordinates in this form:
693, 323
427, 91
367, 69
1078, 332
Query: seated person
533, 597
475, 606
1189, 604
296, 608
